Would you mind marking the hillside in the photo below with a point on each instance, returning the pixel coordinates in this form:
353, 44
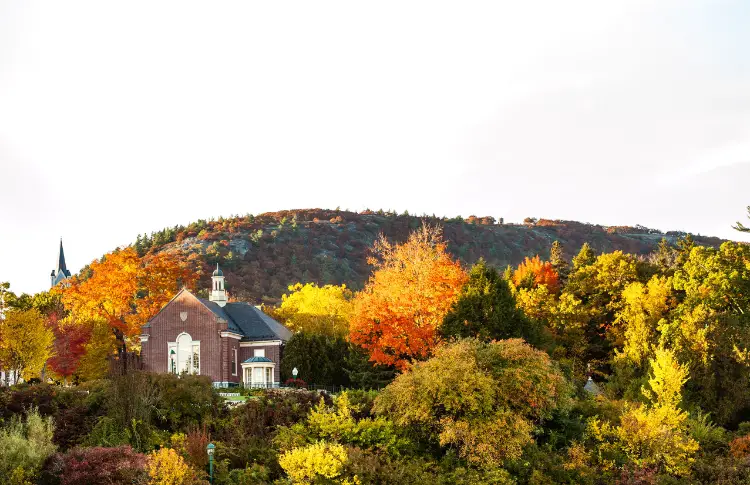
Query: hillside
261, 255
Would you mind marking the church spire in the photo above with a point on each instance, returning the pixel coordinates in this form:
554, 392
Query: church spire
61, 272
61, 268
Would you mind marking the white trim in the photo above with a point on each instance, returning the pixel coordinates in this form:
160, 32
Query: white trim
231, 335
174, 346
251, 366
144, 338
260, 343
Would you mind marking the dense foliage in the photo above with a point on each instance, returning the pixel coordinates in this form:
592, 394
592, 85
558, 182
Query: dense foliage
456, 375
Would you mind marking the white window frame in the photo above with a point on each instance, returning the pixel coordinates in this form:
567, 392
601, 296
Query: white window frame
174, 346
235, 364
259, 352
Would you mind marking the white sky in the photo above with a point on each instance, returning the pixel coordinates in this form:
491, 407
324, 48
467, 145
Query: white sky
118, 118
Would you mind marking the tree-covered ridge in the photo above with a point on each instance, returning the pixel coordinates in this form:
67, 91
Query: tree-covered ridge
262, 254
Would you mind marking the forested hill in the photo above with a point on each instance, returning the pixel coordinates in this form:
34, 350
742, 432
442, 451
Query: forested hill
261, 255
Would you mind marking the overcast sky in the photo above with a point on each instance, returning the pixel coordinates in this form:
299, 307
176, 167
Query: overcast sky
118, 118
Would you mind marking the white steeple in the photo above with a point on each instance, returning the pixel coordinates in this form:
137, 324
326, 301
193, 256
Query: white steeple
218, 293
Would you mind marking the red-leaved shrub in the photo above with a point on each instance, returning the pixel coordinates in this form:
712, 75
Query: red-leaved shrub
98, 466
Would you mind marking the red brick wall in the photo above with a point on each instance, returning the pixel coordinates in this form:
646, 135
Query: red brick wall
201, 324
273, 352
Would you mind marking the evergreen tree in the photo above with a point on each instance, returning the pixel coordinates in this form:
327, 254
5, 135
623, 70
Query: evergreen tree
585, 257
665, 256
486, 309
139, 246
559, 264
740, 227
684, 246
364, 374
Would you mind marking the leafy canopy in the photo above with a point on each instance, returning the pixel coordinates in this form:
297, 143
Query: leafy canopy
397, 315
481, 398
486, 309
316, 309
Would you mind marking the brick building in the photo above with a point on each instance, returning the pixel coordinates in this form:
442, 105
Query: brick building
232, 343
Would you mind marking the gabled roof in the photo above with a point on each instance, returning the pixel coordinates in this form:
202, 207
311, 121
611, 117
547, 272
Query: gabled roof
254, 324
242, 318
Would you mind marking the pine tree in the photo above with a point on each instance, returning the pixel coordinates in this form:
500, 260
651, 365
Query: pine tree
665, 256
558, 261
486, 309
740, 227
585, 257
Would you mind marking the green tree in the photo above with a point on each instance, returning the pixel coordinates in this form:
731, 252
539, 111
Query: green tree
558, 261
655, 434
585, 257
319, 359
481, 399
486, 309
665, 256
708, 329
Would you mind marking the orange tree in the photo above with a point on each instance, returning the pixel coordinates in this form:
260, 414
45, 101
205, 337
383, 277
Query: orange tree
396, 317
125, 290
533, 272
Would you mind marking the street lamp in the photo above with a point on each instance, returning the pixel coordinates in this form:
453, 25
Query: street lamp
294, 373
210, 450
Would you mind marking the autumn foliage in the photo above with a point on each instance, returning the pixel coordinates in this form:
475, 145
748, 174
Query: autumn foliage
414, 284
533, 272
69, 345
125, 290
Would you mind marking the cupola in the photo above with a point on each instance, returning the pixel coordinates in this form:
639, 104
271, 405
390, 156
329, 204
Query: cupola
218, 293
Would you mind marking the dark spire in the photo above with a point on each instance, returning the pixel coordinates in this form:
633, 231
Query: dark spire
62, 271
61, 268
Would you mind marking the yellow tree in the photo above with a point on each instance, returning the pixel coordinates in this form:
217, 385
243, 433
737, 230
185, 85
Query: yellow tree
655, 435
645, 308
396, 317
317, 309
25, 342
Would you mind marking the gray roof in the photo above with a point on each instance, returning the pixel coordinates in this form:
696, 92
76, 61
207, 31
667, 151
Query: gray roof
242, 318
253, 360
249, 321
591, 387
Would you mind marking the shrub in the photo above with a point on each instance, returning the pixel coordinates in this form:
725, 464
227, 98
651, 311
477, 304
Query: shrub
24, 446
185, 402
95, 466
167, 467
247, 433
481, 399
740, 447
317, 461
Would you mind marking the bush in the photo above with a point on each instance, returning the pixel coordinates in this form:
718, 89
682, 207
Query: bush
24, 446
185, 402
167, 467
248, 432
314, 462
481, 399
95, 466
